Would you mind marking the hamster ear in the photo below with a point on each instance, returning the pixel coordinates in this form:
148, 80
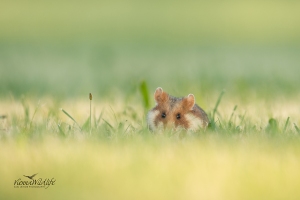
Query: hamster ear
189, 102
160, 96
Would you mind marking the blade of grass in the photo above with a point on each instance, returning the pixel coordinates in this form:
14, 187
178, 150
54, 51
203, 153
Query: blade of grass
234, 109
297, 129
272, 126
34, 114
100, 117
108, 124
243, 117
26, 112
86, 125
286, 124
217, 104
126, 129
90, 97
66, 113
61, 132
145, 94
114, 114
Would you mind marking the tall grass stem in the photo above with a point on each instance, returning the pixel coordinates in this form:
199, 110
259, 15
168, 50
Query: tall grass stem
91, 98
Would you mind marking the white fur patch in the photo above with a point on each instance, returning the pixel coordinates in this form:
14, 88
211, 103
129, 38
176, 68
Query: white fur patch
194, 122
150, 119
160, 126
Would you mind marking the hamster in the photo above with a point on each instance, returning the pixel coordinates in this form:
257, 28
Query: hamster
176, 112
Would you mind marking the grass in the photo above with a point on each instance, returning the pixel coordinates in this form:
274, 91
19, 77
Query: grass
158, 167
242, 156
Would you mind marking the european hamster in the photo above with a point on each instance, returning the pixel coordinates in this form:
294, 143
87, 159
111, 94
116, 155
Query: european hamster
175, 112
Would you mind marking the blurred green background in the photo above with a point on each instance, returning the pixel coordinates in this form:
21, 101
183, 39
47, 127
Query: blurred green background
68, 48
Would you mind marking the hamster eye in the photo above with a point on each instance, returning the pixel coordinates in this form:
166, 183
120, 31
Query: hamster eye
163, 115
178, 116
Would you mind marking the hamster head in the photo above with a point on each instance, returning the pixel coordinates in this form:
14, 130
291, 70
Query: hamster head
173, 112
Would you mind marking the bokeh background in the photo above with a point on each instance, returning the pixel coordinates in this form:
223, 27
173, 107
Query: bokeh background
54, 53
69, 48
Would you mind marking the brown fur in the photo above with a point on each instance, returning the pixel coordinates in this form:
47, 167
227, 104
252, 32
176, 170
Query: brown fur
172, 107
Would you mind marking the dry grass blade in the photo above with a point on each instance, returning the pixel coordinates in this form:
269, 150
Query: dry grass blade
91, 98
66, 113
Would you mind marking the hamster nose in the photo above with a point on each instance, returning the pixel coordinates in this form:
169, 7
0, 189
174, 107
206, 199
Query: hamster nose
169, 125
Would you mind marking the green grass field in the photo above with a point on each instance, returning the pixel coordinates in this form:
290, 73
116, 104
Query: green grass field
239, 58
